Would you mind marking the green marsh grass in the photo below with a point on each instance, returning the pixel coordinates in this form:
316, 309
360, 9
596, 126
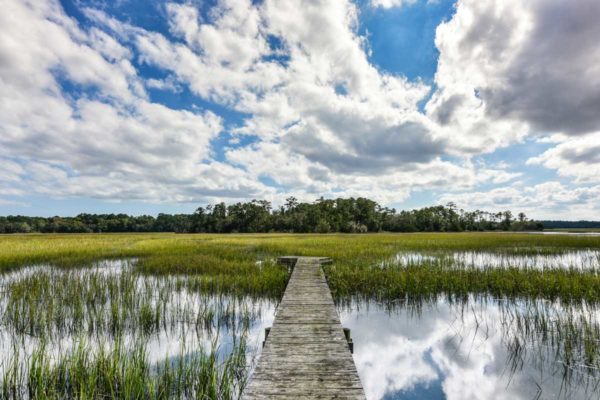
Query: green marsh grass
117, 371
228, 263
85, 333
68, 296
100, 301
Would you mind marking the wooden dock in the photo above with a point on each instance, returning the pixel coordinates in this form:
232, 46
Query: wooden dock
306, 354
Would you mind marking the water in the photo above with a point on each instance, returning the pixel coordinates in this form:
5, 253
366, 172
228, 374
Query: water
463, 351
585, 260
476, 349
566, 233
61, 308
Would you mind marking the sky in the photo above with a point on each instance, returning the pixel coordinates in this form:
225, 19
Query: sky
147, 106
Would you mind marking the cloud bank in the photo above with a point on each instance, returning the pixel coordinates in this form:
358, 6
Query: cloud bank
79, 115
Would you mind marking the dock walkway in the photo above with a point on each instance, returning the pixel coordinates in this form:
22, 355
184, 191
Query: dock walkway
306, 354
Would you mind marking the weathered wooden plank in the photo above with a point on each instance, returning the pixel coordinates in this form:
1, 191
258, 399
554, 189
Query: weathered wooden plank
302, 396
306, 355
308, 392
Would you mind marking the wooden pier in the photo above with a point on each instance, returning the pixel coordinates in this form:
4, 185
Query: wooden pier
306, 354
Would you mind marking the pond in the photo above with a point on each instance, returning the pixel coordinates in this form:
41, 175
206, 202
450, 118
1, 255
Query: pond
584, 260
475, 349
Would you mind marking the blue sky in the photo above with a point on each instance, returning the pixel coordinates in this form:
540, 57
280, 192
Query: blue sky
145, 107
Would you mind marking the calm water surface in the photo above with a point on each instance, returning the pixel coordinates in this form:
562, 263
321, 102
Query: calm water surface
459, 351
585, 260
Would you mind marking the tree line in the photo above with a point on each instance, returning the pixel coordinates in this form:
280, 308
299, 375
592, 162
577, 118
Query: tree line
352, 215
571, 224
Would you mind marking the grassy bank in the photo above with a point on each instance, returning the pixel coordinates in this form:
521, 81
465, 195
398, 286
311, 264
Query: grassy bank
228, 263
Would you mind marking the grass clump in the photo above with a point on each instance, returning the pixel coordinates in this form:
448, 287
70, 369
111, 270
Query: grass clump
429, 281
53, 302
119, 371
89, 334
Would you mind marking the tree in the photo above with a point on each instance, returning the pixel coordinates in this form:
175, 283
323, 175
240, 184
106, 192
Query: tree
290, 204
507, 220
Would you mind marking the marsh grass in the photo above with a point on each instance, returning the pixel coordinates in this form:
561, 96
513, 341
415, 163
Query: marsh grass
82, 249
200, 285
228, 263
565, 338
84, 333
558, 340
95, 301
120, 371
221, 264
429, 281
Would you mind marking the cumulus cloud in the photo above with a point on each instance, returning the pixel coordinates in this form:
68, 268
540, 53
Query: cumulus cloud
511, 69
109, 142
507, 69
317, 104
553, 80
293, 171
541, 201
168, 84
574, 158
324, 120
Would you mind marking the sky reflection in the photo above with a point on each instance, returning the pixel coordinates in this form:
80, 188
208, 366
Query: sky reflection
447, 352
183, 333
586, 260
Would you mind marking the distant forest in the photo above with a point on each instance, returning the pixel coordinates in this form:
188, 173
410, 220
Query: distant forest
571, 224
353, 215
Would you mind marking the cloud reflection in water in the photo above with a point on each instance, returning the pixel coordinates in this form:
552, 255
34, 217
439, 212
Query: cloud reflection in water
445, 351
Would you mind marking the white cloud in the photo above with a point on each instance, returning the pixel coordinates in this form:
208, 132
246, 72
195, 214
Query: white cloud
391, 3
233, 40
507, 69
511, 69
11, 171
326, 121
476, 46
577, 158
326, 118
293, 171
4, 202
168, 84
110, 142
542, 201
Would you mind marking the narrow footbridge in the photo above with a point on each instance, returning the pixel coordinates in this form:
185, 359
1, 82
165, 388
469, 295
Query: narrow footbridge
306, 354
